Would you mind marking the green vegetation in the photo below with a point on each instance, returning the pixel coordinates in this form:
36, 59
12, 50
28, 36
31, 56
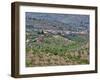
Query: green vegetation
57, 45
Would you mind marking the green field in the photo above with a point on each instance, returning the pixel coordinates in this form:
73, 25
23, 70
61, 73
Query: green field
44, 49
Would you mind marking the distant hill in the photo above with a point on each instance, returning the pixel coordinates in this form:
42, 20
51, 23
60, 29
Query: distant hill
57, 21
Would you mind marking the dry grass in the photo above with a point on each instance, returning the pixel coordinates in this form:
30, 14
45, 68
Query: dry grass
33, 60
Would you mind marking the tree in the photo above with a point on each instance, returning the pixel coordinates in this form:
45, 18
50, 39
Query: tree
42, 32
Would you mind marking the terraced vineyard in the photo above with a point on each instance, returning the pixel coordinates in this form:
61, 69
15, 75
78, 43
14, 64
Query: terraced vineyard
57, 50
